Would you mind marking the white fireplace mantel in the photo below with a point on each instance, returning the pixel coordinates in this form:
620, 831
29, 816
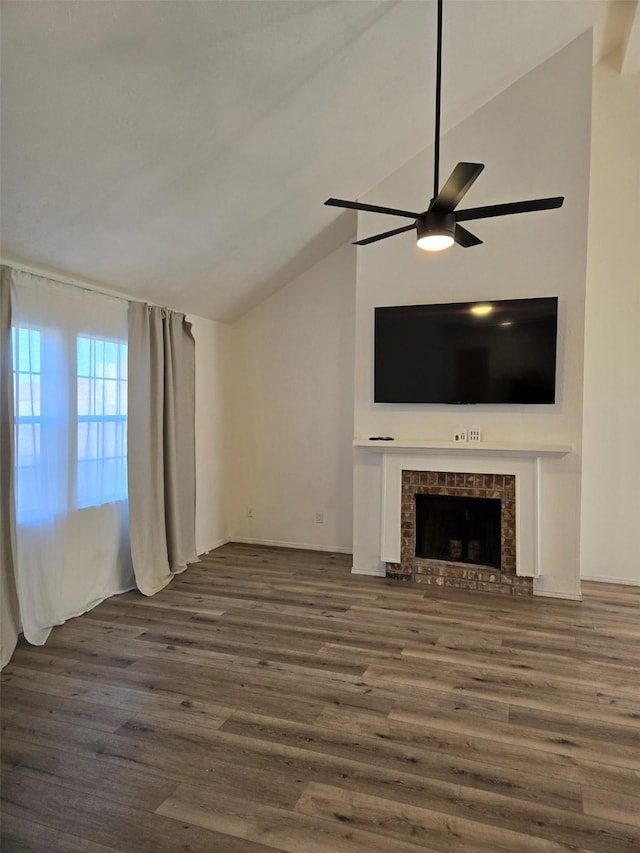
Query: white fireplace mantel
521, 460
404, 445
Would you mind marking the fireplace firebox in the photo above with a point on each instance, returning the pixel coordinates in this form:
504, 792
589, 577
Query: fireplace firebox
459, 529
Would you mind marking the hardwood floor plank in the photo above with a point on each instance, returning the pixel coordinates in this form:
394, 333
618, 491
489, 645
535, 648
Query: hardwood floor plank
181, 601
102, 821
20, 836
125, 785
102, 653
424, 827
610, 778
133, 700
282, 684
576, 724
612, 805
285, 830
574, 676
465, 702
228, 644
139, 616
42, 731
311, 630
94, 630
200, 686
569, 743
69, 710
479, 683
533, 661
455, 745
375, 758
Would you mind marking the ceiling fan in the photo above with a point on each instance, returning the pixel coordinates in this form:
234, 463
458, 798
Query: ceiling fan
438, 227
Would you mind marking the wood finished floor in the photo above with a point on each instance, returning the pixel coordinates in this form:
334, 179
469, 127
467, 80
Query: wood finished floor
269, 700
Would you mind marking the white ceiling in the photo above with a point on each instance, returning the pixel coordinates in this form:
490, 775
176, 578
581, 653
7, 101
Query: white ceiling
181, 151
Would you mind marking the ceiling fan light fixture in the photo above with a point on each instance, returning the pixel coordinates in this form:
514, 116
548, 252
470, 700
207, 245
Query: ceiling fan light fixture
435, 242
435, 231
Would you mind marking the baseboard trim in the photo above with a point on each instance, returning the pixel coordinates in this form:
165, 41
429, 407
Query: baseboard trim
209, 548
372, 573
618, 581
300, 546
569, 596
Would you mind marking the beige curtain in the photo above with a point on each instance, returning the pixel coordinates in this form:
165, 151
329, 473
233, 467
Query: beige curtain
10, 610
161, 445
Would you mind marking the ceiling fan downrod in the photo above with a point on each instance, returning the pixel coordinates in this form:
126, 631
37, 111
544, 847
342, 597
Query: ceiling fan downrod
436, 152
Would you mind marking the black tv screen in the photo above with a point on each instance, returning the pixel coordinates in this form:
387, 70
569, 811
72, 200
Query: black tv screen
501, 351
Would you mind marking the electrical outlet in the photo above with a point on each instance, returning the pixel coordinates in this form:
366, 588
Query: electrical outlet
475, 433
319, 518
249, 512
460, 434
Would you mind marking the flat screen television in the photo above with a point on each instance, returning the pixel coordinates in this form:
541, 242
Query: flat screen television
501, 351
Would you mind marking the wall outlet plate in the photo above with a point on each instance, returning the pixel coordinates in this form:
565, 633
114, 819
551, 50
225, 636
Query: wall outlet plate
460, 434
475, 433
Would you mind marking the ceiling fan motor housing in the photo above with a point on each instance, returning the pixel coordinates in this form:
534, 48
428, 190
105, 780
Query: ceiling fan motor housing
434, 222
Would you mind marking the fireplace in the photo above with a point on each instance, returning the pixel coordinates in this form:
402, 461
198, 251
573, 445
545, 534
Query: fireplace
541, 508
459, 530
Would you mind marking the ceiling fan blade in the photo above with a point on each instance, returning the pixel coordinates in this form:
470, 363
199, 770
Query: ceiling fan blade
509, 208
456, 186
384, 235
465, 238
372, 208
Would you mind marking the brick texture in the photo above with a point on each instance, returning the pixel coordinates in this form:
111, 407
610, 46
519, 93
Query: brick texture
452, 574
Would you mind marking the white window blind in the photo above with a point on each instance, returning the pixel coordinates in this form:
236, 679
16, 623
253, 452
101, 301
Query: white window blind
101, 374
28, 422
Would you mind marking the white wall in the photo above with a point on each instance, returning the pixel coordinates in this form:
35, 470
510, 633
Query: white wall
611, 450
534, 141
292, 404
212, 357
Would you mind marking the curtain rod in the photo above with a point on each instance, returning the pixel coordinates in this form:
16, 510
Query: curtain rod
81, 283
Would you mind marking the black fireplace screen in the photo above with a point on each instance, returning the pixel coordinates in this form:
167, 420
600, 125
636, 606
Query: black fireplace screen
458, 529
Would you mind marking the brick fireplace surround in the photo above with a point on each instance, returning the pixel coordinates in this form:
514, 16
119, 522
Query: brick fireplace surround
454, 574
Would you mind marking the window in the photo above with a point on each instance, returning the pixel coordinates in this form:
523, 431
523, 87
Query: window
28, 419
68, 417
102, 421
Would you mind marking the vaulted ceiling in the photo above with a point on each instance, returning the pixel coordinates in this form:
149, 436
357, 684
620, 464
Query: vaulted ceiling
181, 151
